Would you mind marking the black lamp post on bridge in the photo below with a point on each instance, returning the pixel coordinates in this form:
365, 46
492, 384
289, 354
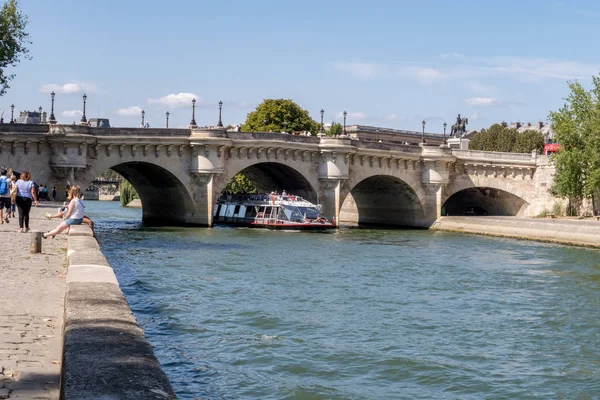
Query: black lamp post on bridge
83, 118
423, 133
322, 128
193, 121
143, 117
167, 114
220, 123
344, 130
40, 112
12, 113
52, 118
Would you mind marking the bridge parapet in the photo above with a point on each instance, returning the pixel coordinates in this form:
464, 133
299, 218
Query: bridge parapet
491, 156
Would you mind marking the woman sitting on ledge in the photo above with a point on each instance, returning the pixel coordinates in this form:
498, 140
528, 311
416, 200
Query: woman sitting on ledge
73, 215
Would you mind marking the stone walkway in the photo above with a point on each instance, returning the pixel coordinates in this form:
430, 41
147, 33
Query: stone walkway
32, 289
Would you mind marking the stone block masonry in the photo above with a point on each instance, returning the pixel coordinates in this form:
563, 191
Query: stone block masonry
106, 354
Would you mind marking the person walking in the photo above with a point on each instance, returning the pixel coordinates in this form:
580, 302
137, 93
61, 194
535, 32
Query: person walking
53, 193
13, 195
5, 183
26, 196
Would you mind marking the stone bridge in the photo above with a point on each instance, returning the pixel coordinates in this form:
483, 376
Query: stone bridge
179, 173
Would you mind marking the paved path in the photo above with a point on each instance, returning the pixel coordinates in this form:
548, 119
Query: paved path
32, 289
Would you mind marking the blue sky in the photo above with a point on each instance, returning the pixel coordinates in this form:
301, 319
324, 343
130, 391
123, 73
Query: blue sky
387, 63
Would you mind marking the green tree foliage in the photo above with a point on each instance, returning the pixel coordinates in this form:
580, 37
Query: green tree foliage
577, 129
127, 192
13, 40
335, 129
240, 184
279, 115
110, 174
501, 138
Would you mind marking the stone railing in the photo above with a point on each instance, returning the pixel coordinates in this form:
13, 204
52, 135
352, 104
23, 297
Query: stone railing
281, 137
405, 148
144, 132
24, 128
494, 155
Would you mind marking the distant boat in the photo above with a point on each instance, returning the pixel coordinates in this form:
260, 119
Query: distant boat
270, 211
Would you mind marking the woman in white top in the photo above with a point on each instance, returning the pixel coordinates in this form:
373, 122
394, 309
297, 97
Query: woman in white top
73, 215
26, 196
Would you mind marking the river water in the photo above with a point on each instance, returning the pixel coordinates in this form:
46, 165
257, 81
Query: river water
359, 314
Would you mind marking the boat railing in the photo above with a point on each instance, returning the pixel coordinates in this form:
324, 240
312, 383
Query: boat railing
272, 198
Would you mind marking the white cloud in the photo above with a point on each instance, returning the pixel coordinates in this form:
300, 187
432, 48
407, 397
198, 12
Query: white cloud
483, 101
451, 55
71, 113
352, 115
359, 70
178, 100
133, 111
69, 88
391, 117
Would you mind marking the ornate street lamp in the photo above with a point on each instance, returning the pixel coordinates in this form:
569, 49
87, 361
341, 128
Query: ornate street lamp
344, 131
445, 124
83, 118
220, 123
321, 129
264, 124
423, 134
40, 112
143, 116
193, 121
12, 113
52, 119
167, 114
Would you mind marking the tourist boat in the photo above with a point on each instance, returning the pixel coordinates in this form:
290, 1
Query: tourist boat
271, 211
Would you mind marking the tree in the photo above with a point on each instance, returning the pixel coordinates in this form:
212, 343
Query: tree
335, 129
127, 192
577, 129
279, 115
240, 184
501, 138
13, 40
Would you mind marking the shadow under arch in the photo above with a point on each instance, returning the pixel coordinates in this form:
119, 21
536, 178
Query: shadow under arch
484, 201
271, 176
382, 200
165, 199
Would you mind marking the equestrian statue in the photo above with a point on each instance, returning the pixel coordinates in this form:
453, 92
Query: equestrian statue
460, 127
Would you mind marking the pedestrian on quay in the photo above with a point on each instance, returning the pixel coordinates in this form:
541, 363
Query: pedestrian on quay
5, 184
26, 196
74, 214
13, 195
53, 193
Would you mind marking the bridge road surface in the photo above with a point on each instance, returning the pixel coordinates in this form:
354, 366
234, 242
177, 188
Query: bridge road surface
32, 289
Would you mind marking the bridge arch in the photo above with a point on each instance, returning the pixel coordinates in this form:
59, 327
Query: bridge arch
164, 193
485, 196
268, 176
381, 199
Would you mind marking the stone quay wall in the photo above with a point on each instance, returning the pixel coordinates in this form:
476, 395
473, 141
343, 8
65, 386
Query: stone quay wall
105, 352
573, 232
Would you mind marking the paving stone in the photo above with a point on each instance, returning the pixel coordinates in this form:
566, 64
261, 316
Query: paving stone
31, 310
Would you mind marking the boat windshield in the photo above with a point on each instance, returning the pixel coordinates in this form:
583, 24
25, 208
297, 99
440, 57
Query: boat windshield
299, 214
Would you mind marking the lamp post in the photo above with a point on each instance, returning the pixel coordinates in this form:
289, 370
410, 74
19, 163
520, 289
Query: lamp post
423, 134
52, 119
220, 123
12, 113
193, 121
321, 129
167, 114
83, 118
143, 116
40, 111
344, 131
445, 124
264, 124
